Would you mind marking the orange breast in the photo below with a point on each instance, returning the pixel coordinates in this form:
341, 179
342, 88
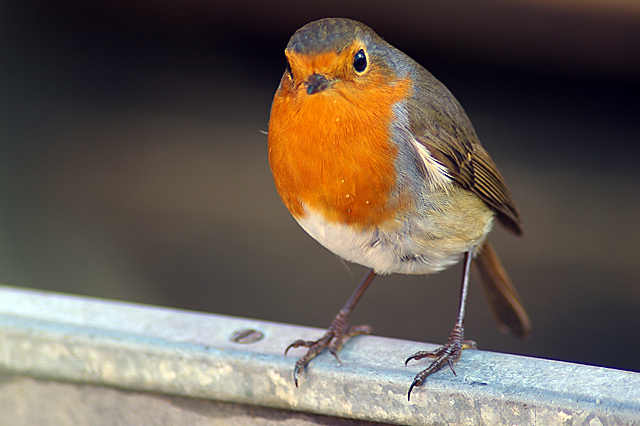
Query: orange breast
331, 151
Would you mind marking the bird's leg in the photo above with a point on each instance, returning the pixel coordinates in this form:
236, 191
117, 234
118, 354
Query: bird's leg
337, 333
450, 352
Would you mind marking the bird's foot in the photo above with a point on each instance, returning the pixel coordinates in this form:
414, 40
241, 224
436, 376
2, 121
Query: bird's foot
448, 353
338, 332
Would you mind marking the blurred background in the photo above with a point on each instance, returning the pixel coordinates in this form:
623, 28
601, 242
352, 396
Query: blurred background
133, 164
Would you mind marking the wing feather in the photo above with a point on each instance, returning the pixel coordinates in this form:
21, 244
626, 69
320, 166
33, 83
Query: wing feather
470, 166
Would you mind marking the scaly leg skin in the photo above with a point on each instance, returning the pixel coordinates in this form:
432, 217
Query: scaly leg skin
338, 333
448, 353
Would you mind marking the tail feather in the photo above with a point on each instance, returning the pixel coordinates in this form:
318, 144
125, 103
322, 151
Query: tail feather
500, 294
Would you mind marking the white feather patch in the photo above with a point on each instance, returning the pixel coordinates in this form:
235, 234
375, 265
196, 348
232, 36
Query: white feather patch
437, 173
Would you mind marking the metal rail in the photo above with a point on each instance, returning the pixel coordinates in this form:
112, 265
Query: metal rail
86, 341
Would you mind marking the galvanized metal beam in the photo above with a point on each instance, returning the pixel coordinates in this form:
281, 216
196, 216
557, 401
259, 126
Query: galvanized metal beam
150, 349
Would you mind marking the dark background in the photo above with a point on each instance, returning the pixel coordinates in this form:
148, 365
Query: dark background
133, 167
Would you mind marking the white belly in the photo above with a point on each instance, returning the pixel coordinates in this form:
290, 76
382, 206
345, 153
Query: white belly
411, 246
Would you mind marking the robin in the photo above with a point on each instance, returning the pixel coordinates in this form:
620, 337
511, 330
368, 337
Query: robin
378, 162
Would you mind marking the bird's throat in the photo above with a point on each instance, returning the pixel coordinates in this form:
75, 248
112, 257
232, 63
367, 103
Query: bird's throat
331, 152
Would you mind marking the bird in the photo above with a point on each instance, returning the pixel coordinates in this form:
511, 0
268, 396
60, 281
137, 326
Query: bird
379, 163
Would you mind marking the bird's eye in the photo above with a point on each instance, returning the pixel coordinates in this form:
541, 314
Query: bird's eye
360, 61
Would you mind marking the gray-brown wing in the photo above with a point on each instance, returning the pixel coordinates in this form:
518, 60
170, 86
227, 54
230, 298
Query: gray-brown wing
471, 167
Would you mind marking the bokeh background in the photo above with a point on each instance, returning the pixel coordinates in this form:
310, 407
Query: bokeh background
133, 164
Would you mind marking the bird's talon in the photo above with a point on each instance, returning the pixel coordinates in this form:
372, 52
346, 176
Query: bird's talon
413, 384
332, 340
448, 353
451, 366
298, 344
293, 345
295, 375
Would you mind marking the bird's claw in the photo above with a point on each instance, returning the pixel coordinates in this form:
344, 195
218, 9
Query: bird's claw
448, 354
338, 332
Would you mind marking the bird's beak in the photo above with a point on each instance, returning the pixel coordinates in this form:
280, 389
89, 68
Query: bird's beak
317, 83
